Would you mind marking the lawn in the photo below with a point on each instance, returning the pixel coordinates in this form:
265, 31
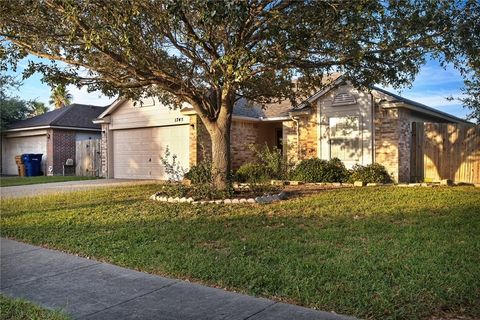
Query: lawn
16, 309
377, 253
18, 181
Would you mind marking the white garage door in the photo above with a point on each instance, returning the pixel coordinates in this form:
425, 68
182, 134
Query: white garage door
17, 146
137, 153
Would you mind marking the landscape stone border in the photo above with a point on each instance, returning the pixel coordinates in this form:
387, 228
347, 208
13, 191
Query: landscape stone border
260, 199
266, 199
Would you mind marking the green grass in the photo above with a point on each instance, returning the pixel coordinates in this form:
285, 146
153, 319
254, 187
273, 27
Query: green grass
379, 253
16, 309
18, 181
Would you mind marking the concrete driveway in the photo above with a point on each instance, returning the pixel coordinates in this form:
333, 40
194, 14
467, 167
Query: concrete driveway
61, 187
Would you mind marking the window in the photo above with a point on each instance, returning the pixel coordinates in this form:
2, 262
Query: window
345, 138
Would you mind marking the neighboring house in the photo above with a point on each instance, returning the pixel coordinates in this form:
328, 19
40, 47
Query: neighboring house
53, 134
358, 127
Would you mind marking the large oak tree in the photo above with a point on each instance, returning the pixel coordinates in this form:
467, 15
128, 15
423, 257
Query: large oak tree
210, 53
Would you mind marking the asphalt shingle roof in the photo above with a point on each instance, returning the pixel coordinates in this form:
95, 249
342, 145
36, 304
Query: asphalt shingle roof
74, 115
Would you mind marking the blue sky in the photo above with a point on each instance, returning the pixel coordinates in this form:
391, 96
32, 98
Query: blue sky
432, 85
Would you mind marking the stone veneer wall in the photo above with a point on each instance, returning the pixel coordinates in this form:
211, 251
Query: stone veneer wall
104, 150
393, 132
308, 136
404, 145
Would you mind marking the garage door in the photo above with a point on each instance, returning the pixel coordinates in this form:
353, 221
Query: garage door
137, 153
21, 145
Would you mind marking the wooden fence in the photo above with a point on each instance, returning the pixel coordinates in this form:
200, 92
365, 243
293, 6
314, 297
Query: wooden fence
88, 157
445, 151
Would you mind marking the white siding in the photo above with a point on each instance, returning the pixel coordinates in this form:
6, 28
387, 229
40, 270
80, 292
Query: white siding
129, 115
362, 108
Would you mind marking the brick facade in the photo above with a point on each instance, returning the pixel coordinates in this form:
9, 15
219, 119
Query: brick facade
393, 132
242, 135
307, 147
60, 147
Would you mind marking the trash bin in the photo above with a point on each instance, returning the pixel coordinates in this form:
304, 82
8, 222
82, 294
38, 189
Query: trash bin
27, 161
37, 164
20, 166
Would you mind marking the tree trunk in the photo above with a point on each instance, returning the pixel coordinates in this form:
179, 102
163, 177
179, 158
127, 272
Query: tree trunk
219, 132
221, 155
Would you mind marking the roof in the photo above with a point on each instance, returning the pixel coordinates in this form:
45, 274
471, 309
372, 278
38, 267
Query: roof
420, 106
282, 109
272, 110
74, 116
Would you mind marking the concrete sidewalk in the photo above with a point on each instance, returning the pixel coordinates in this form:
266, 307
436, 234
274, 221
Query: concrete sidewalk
88, 289
61, 187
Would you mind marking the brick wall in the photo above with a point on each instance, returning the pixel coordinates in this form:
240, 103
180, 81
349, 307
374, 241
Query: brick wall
200, 143
308, 136
63, 148
242, 134
393, 131
307, 146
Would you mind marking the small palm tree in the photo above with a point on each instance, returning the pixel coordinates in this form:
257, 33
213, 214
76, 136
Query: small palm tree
60, 96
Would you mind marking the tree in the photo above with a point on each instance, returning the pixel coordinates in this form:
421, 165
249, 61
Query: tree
37, 108
12, 108
211, 53
60, 97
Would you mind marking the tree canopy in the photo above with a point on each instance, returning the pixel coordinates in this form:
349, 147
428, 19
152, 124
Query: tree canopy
60, 97
13, 108
210, 53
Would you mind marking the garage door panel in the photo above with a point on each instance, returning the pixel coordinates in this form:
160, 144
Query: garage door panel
138, 152
20, 145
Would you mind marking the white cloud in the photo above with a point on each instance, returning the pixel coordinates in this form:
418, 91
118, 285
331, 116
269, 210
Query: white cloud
82, 96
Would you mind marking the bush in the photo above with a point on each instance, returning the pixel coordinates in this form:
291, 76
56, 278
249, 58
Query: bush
372, 173
252, 173
272, 161
201, 173
318, 170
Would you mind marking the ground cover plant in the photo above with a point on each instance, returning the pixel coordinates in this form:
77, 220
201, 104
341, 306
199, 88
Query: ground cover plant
16, 309
18, 181
374, 253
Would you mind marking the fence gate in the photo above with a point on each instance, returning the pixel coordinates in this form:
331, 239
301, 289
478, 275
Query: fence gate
88, 157
445, 151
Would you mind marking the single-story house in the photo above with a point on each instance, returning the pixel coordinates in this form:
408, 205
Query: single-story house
53, 134
358, 127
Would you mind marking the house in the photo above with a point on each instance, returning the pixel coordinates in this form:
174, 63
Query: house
358, 127
52, 134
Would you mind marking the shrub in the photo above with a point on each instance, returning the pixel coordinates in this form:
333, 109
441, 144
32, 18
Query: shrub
318, 170
252, 173
172, 167
272, 161
201, 173
372, 173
